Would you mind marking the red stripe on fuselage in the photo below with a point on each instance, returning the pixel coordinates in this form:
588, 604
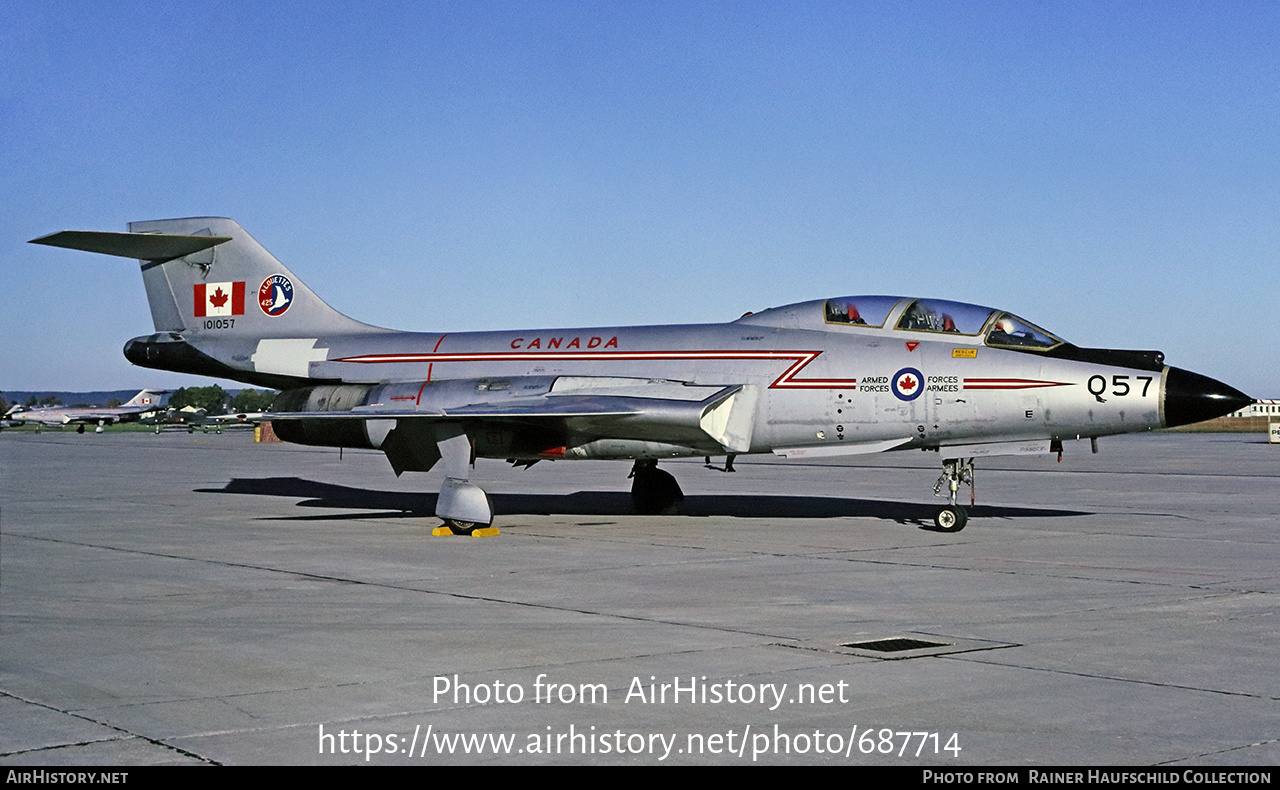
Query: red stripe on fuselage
430, 366
1010, 384
787, 380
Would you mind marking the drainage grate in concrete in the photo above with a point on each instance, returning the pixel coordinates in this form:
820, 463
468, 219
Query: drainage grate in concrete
895, 645
896, 648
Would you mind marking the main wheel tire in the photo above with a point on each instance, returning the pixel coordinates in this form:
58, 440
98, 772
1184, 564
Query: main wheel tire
951, 518
462, 527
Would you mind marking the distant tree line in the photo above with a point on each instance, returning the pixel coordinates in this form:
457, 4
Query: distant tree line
253, 400
215, 400
33, 401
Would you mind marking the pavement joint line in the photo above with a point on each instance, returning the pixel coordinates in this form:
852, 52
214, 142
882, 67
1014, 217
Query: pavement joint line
128, 735
1095, 676
834, 555
1203, 755
385, 585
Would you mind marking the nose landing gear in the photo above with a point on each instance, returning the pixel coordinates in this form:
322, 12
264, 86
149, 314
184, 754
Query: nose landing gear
955, 471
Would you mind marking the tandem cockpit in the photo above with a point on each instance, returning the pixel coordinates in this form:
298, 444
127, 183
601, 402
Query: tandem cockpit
966, 323
993, 327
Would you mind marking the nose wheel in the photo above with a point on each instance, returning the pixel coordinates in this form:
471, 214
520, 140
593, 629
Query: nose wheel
955, 472
951, 518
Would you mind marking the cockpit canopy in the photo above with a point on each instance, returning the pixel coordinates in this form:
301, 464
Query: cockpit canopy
994, 327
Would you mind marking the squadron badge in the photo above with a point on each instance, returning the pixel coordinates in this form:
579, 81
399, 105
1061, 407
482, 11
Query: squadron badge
275, 295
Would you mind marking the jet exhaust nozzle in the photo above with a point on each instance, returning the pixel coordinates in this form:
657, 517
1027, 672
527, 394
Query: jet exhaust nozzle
1190, 397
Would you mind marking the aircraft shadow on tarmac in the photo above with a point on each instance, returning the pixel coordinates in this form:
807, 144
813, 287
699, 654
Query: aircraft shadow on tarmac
400, 504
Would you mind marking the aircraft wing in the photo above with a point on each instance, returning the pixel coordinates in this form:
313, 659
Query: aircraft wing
92, 418
109, 415
713, 419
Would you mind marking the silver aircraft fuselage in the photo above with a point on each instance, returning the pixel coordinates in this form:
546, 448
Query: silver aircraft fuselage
827, 387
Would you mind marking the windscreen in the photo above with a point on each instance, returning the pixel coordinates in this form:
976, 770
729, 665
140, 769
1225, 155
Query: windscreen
1009, 331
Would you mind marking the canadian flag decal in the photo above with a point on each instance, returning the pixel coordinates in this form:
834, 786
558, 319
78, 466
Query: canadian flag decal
213, 299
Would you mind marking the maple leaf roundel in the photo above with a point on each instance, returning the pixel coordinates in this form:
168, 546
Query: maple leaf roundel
908, 384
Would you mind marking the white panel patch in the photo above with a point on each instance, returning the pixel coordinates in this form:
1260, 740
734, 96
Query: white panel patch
861, 448
288, 357
1040, 447
632, 387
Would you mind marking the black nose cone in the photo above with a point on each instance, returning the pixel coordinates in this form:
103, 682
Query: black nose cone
1190, 397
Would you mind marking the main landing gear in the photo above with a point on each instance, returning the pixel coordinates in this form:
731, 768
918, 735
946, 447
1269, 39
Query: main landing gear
455, 527
463, 506
465, 510
653, 491
955, 471
469, 504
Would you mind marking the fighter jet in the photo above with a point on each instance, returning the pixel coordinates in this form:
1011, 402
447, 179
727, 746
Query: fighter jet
189, 418
825, 378
143, 402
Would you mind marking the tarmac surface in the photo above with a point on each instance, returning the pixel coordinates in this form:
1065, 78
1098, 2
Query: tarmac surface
204, 599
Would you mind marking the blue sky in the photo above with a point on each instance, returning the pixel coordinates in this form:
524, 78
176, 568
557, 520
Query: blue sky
1110, 171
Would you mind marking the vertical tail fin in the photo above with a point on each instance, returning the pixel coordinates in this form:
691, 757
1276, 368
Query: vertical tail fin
222, 305
233, 283
155, 398
206, 275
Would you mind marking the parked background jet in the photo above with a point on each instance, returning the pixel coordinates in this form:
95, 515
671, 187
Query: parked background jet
824, 378
188, 418
143, 402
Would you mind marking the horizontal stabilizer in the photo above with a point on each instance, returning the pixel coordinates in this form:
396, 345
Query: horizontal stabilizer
155, 247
